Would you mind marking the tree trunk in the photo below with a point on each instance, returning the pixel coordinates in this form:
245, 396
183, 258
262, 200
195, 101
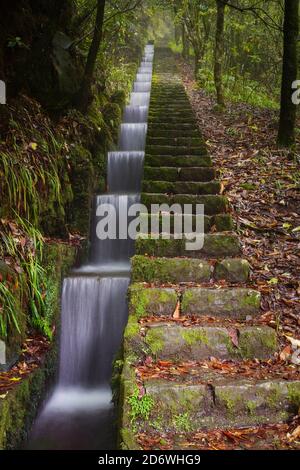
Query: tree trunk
185, 44
177, 34
198, 58
85, 94
219, 53
286, 131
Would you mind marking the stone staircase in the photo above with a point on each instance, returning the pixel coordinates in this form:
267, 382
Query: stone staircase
192, 311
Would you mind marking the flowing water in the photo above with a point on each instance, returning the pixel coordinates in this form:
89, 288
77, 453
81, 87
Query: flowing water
79, 413
136, 114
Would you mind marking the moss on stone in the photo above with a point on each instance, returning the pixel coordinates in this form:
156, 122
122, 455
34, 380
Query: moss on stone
294, 394
228, 400
233, 270
213, 204
194, 336
215, 246
223, 222
181, 187
257, 342
221, 245
251, 407
155, 340
183, 422
169, 270
83, 184
225, 302
19, 407
173, 161
155, 301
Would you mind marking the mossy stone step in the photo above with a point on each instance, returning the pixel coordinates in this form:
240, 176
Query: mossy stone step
180, 270
157, 99
179, 174
172, 108
230, 302
182, 187
164, 114
216, 245
170, 111
145, 302
166, 102
168, 94
178, 161
180, 141
219, 402
213, 204
196, 343
171, 133
218, 222
172, 126
177, 121
176, 150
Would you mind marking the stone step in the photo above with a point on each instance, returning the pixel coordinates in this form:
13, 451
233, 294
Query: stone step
168, 90
173, 126
171, 133
216, 245
218, 222
176, 150
169, 341
177, 122
171, 108
165, 115
182, 270
218, 402
178, 161
165, 101
170, 96
236, 303
213, 204
180, 141
182, 187
179, 174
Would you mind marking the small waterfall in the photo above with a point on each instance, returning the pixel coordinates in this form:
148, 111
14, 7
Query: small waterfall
79, 414
142, 86
115, 253
135, 114
86, 333
140, 99
146, 65
132, 136
145, 71
144, 77
125, 170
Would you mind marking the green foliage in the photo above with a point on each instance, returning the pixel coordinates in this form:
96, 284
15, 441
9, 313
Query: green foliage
31, 162
8, 308
24, 244
182, 422
140, 406
238, 88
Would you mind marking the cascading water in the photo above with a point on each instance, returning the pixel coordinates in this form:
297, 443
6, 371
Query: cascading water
125, 171
79, 414
136, 114
140, 99
132, 136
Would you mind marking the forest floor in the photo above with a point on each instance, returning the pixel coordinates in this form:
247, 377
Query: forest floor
262, 184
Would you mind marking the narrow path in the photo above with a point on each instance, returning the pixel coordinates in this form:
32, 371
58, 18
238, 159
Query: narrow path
190, 374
